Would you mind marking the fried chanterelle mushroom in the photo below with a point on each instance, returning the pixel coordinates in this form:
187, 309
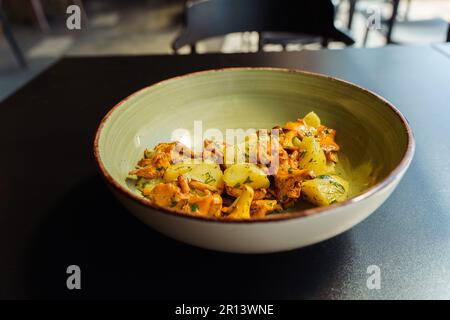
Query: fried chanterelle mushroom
205, 183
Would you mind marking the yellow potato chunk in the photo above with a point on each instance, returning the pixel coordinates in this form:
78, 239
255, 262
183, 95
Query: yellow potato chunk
246, 173
312, 156
205, 172
330, 168
242, 152
325, 190
312, 119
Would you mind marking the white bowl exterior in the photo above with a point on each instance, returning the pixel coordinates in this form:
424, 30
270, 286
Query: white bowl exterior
127, 132
260, 237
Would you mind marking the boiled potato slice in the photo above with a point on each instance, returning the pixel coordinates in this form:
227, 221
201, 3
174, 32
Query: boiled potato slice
246, 173
289, 139
230, 156
312, 156
176, 170
206, 172
312, 119
325, 190
330, 168
243, 152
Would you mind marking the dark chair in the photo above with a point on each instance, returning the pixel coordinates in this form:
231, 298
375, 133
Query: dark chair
10, 38
285, 38
351, 13
210, 18
448, 33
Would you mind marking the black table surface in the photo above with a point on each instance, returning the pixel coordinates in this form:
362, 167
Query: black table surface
56, 211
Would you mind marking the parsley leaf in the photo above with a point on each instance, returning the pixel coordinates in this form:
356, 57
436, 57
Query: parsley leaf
340, 188
248, 180
173, 203
209, 178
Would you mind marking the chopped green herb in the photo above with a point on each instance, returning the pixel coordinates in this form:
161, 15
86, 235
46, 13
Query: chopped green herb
173, 203
194, 207
290, 170
209, 179
340, 188
142, 183
237, 185
248, 180
324, 177
302, 154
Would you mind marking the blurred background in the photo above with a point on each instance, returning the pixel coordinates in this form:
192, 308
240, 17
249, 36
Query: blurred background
35, 33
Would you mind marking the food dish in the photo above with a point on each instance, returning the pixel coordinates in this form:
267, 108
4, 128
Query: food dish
233, 181
372, 134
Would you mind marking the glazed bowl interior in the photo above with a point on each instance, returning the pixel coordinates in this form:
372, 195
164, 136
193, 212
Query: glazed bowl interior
372, 136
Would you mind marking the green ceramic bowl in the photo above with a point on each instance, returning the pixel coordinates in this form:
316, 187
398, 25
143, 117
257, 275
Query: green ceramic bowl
376, 142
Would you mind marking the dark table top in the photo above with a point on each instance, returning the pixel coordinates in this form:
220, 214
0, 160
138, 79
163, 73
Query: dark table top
55, 210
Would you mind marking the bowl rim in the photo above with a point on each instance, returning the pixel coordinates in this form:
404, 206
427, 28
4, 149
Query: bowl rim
312, 213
